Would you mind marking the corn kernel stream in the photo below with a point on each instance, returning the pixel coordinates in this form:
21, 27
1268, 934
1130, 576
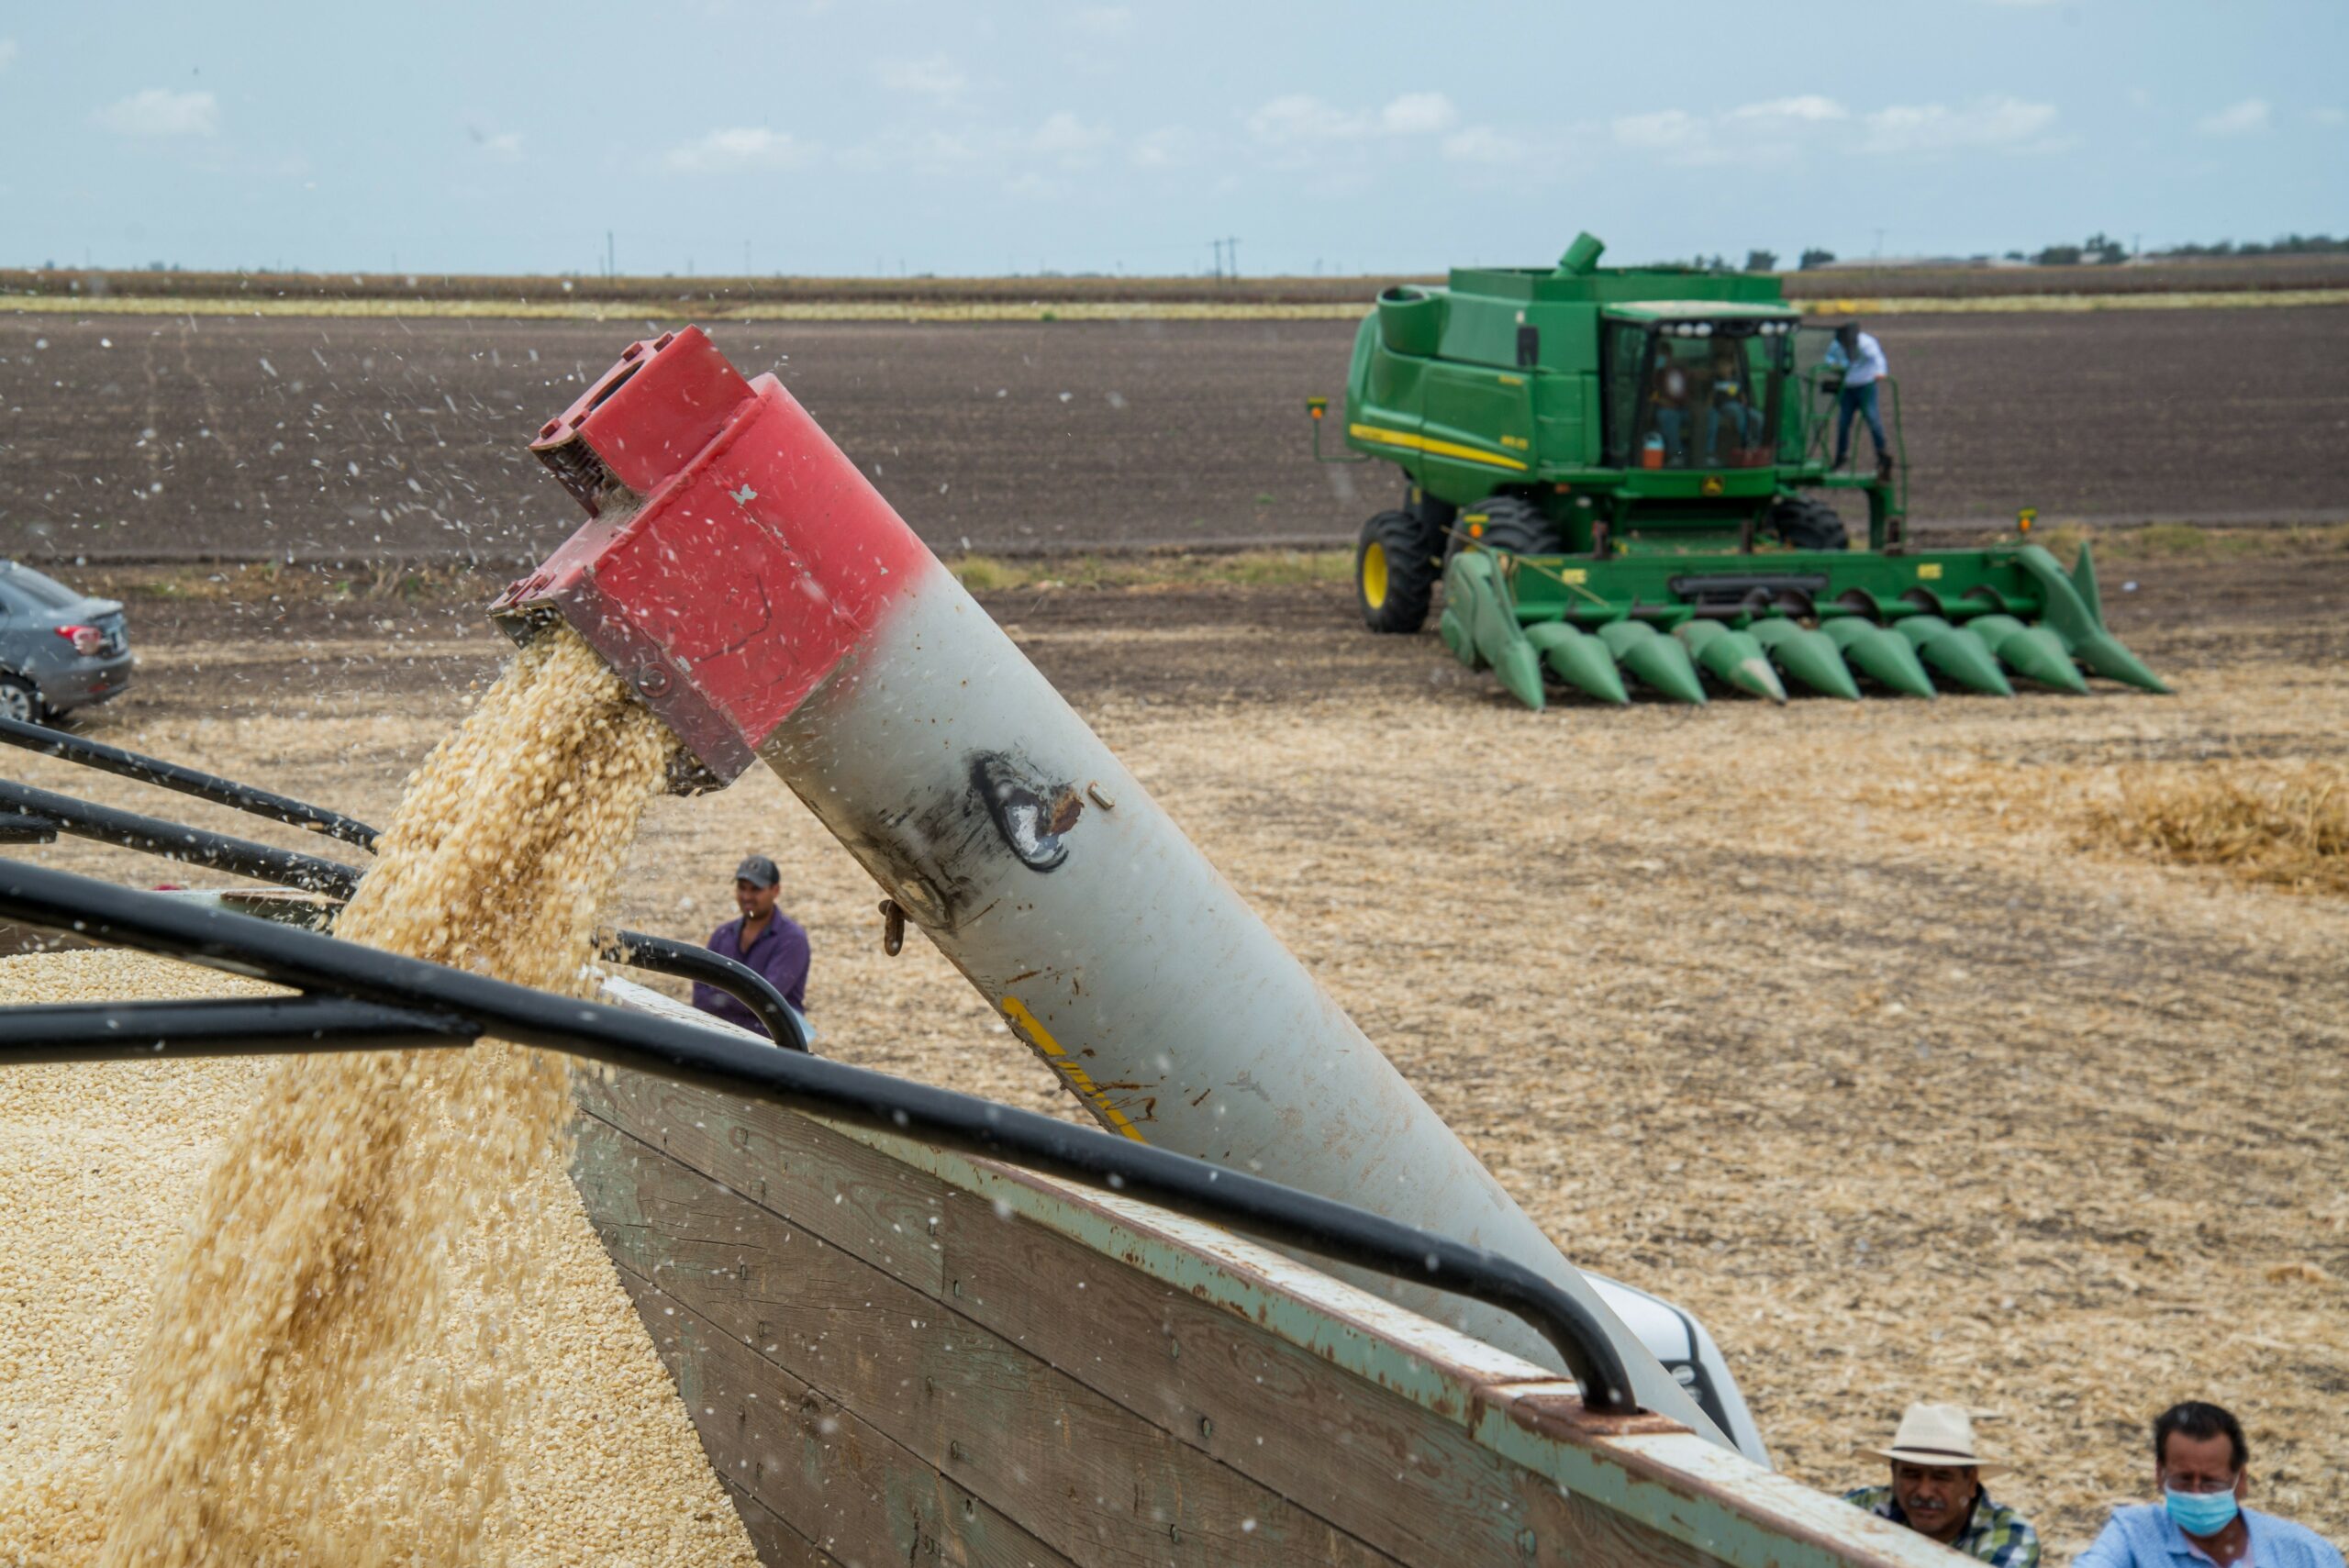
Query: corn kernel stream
382, 1331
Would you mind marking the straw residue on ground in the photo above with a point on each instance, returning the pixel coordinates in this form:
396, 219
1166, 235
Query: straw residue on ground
1822, 1021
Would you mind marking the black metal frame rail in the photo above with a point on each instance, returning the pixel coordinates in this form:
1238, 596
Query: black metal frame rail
38, 816
356, 997
108, 759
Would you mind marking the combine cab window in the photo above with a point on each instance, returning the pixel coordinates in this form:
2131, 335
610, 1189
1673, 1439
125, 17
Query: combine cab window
1694, 395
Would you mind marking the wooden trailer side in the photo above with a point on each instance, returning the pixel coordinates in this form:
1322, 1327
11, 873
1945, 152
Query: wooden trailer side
897, 1354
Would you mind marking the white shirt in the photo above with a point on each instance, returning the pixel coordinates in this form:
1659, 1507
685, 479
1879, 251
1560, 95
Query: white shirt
1866, 367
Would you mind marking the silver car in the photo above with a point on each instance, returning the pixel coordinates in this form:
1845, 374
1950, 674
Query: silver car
59, 649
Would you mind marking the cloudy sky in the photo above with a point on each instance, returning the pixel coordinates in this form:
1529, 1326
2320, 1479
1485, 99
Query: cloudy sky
913, 135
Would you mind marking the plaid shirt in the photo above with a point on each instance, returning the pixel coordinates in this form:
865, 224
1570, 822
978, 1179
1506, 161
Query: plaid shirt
1996, 1535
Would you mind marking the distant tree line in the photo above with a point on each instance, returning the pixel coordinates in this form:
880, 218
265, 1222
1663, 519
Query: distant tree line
2290, 245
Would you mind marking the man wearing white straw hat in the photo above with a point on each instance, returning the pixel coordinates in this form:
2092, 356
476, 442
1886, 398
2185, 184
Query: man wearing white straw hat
1936, 1489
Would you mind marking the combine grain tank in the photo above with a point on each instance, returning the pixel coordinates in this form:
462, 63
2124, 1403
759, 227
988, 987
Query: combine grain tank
1623, 476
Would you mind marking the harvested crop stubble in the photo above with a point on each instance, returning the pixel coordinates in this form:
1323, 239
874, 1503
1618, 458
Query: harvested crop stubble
2285, 825
285, 1406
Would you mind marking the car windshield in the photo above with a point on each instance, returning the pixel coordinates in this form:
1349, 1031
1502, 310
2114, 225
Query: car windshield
1701, 395
43, 592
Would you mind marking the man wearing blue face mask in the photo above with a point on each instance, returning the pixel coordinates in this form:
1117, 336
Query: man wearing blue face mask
2201, 1465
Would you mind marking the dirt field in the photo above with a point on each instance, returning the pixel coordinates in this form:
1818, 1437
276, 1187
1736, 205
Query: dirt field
355, 439
1819, 1019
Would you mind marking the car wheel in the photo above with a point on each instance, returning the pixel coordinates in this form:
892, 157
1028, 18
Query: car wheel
19, 701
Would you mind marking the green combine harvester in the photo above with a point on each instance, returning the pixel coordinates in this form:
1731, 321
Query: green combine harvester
1619, 472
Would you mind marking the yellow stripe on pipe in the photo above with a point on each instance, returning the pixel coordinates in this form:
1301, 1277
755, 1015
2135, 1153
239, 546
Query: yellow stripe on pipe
1429, 445
1062, 1063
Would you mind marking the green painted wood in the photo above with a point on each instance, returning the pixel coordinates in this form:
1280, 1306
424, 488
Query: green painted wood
830, 1478
753, 1147
1303, 1383
777, 1544
1084, 1474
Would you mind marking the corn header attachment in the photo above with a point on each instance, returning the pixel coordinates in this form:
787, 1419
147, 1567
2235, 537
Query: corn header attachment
1622, 479
1909, 625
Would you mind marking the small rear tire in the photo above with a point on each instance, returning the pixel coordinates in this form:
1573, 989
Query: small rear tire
1394, 569
1804, 524
19, 701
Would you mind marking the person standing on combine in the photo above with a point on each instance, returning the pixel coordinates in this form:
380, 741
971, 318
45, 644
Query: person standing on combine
772, 944
1861, 359
2202, 1468
1936, 1489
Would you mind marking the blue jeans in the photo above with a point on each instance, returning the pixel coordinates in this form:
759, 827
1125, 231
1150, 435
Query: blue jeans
1745, 422
1857, 400
1672, 424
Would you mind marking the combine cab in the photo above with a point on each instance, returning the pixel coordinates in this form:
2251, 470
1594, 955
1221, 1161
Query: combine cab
1626, 474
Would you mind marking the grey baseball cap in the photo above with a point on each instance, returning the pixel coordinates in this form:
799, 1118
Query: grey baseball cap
758, 871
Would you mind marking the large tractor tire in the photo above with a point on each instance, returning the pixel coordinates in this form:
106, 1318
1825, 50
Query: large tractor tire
1394, 570
1804, 524
1510, 524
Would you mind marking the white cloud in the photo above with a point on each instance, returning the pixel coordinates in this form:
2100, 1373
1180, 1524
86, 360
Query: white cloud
933, 76
1102, 21
1663, 130
1808, 109
1418, 114
2327, 116
1780, 128
1483, 144
1168, 147
1998, 124
505, 146
8, 53
1300, 117
740, 146
1068, 138
2235, 119
161, 112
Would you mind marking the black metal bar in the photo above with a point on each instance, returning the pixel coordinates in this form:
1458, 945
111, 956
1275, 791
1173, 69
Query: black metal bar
23, 828
187, 781
659, 955
143, 1031
656, 955
173, 841
719, 1060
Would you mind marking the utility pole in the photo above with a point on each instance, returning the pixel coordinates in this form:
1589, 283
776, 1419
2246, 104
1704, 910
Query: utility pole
1231, 249
1217, 245
1879, 244
611, 268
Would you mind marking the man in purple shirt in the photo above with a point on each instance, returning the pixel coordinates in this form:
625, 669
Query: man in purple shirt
771, 943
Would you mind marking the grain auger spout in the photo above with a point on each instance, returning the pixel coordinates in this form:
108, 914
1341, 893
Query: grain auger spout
772, 607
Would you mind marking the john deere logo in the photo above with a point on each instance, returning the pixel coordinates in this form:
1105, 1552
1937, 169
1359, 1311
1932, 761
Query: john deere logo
1712, 485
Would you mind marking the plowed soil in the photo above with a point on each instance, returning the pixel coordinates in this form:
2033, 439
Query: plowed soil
367, 440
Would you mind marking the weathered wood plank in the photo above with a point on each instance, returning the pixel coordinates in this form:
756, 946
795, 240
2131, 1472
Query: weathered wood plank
755, 1149
1495, 1466
1090, 1478
777, 1544
1209, 1379
830, 1476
